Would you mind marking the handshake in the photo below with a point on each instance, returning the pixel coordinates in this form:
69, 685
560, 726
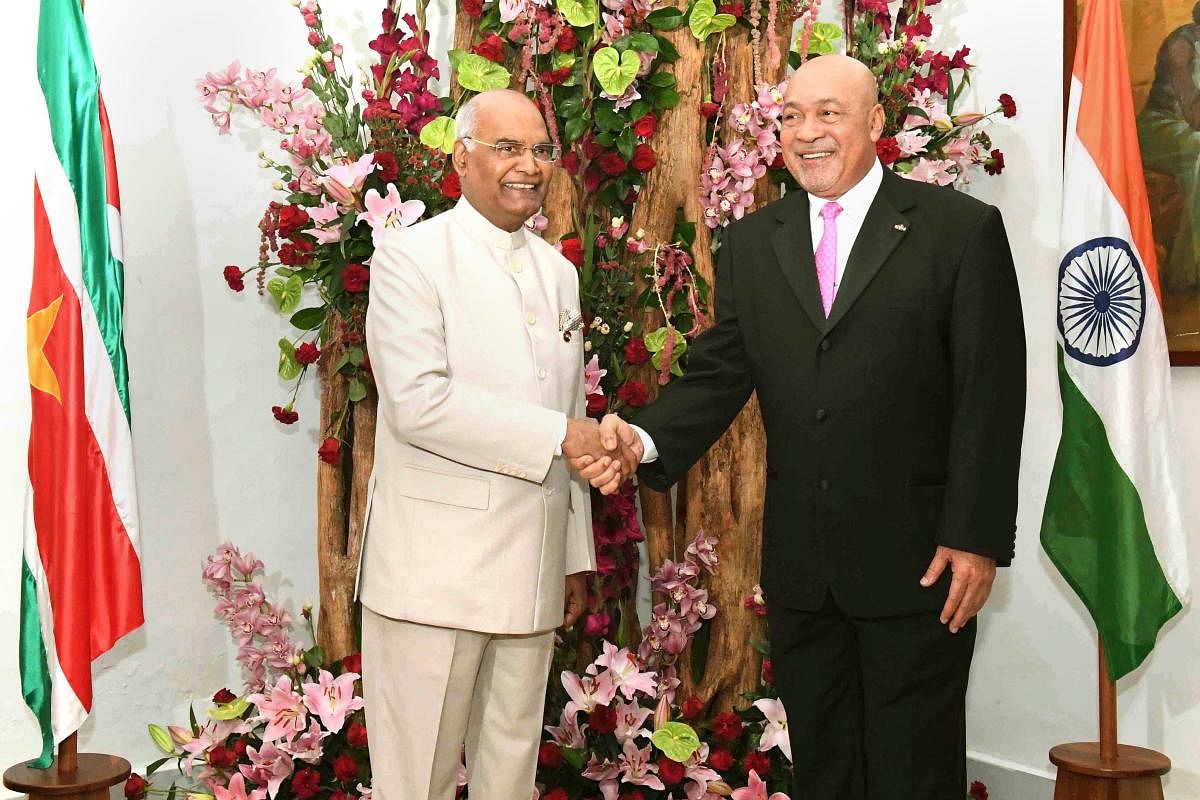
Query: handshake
604, 454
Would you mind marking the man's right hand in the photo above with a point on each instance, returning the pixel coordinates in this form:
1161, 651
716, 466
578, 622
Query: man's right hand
618, 459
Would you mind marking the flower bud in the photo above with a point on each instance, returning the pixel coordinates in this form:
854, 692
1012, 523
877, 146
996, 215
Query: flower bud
720, 788
587, 347
662, 712
278, 186
180, 734
628, 327
968, 119
199, 796
162, 739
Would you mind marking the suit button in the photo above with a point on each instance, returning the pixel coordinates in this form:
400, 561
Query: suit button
824, 484
824, 345
542, 373
530, 319
821, 415
521, 475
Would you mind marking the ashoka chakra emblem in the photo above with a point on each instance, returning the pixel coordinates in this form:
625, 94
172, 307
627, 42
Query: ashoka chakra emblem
1101, 301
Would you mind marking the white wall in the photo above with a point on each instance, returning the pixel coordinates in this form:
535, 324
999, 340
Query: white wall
213, 465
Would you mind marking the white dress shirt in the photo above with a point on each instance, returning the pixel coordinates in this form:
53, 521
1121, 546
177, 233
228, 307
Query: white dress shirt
855, 203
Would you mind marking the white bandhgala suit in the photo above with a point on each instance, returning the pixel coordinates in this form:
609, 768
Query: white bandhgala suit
473, 519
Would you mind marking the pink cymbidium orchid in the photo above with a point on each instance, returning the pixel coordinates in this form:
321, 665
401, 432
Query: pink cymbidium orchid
331, 699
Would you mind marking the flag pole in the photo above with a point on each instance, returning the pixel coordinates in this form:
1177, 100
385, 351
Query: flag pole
1108, 709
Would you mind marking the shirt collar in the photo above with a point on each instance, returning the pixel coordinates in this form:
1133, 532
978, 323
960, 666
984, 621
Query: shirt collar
480, 229
857, 200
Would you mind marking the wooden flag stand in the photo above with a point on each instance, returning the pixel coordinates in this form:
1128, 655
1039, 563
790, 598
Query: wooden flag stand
1106, 770
72, 775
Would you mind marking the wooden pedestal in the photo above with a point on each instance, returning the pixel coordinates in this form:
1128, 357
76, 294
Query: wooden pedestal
1135, 774
90, 780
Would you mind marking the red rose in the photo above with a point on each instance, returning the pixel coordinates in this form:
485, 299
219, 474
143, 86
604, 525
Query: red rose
287, 417
636, 353
596, 404
224, 696
736, 9
570, 162
757, 762
978, 791
135, 787
633, 394
635, 794
297, 252
888, 150
306, 783
612, 164
603, 720
328, 451
1008, 105
239, 747
491, 48
994, 165
221, 757
720, 759
692, 708
646, 126
352, 662
768, 671
356, 735
387, 165
451, 185
727, 726
355, 277
572, 250
670, 771
474, 8
233, 276
291, 219
345, 768
550, 755
307, 353
557, 793
709, 110
566, 40
644, 158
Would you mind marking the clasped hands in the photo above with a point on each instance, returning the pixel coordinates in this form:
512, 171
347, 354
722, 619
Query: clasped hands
604, 454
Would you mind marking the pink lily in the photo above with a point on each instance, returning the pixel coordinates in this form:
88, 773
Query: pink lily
624, 671
308, 746
605, 773
567, 733
342, 181
775, 734
756, 790
237, 790
937, 171
698, 775
587, 692
630, 717
332, 698
912, 142
388, 213
282, 710
270, 766
511, 9
592, 375
637, 768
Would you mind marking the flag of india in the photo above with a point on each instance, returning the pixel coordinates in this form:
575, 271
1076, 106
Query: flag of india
1111, 523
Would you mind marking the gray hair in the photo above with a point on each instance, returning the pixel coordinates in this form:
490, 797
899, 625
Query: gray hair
464, 120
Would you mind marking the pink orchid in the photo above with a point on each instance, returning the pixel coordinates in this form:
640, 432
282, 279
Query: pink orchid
936, 171
703, 550
673, 574
624, 671
511, 9
775, 734
912, 142
390, 212
630, 718
282, 709
270, 766
567, 733
698, 775
638, 768
756, 789
592, 375
587, 691
237, 790
614, 28
332, 698
668, 628
226, 77
538, 223
325, 213
342, 181
694, 606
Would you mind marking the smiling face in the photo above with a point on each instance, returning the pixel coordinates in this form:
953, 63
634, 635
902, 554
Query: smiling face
505, 190
831, 121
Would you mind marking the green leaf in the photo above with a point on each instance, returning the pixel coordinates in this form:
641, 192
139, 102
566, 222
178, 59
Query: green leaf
314, 657
230, 710
162, 739
821, 40
192, 720
355, 356
667, 98
665, 19
558, 61
626, 141
289, 367
640, 108
580, 13
576, 126
607, 118
455, 56
666, 54
438, 134
308, 319
705, 21
478, 74
615, 72
574, 757
662, 80
645, 42
357, 390
154, 765
676, 740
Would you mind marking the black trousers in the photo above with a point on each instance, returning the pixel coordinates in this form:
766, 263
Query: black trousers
876, 707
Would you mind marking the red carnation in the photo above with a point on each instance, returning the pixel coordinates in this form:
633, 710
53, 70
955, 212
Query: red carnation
636, 353
572, 250
1008, 105
709, 109
297, 252
612, 164
474, 8
768, 672
557, 793
221, 757
591, 149
646, 126
328, 451
556, 77
720, 759
135, 787
239, 747
692, 708
994, 165
356, 735
307, 353
291, 219
888, 150
756, 761
727, 726
224, 696
233, 276
287, 417
670, 771
353, 662
451, 185
306, 783
591, 179
978, 791
570, 162
736, 9
633, 394
491, 48
387, 165
550, 755
603, 720
566, 40
644, 158
345, 768
596, 404
355, 277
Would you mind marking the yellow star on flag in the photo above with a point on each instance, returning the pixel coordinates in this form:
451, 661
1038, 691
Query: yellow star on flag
37, 329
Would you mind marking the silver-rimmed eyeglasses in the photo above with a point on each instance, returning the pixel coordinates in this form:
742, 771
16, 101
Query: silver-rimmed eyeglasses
546, 153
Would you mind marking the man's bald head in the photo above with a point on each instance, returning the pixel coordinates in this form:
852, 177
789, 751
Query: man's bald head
492, 104
841, 70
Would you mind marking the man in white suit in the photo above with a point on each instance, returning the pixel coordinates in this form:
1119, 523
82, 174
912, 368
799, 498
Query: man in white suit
478, 537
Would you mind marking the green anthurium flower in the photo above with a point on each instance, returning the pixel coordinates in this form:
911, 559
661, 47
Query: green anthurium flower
579, 13
676, 740
439, 134
705, 21
478, 74
656, 342
821, 40
615, 71
230, 710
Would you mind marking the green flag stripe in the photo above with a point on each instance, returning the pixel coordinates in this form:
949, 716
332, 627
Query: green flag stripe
69, 81
1094, 530
35, 672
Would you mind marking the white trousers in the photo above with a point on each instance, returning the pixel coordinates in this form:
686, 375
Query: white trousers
429, 690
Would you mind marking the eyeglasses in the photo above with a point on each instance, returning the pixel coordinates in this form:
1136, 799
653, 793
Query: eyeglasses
546, 153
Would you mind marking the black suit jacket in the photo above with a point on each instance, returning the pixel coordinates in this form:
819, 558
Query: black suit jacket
894, 425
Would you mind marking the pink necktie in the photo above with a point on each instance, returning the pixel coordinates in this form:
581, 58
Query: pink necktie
826, 255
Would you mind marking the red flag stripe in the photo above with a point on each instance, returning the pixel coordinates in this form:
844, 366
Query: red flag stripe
113, 195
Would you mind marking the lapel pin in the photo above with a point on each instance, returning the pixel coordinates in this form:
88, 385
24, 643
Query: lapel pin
900, 226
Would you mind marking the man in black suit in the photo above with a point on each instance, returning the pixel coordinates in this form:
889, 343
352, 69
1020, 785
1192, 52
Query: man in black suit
890, 368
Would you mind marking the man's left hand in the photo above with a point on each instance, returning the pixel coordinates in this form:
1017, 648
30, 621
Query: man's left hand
575, 598
969, 588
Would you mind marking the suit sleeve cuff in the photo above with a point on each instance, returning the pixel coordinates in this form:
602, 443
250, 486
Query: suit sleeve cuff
649, 451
